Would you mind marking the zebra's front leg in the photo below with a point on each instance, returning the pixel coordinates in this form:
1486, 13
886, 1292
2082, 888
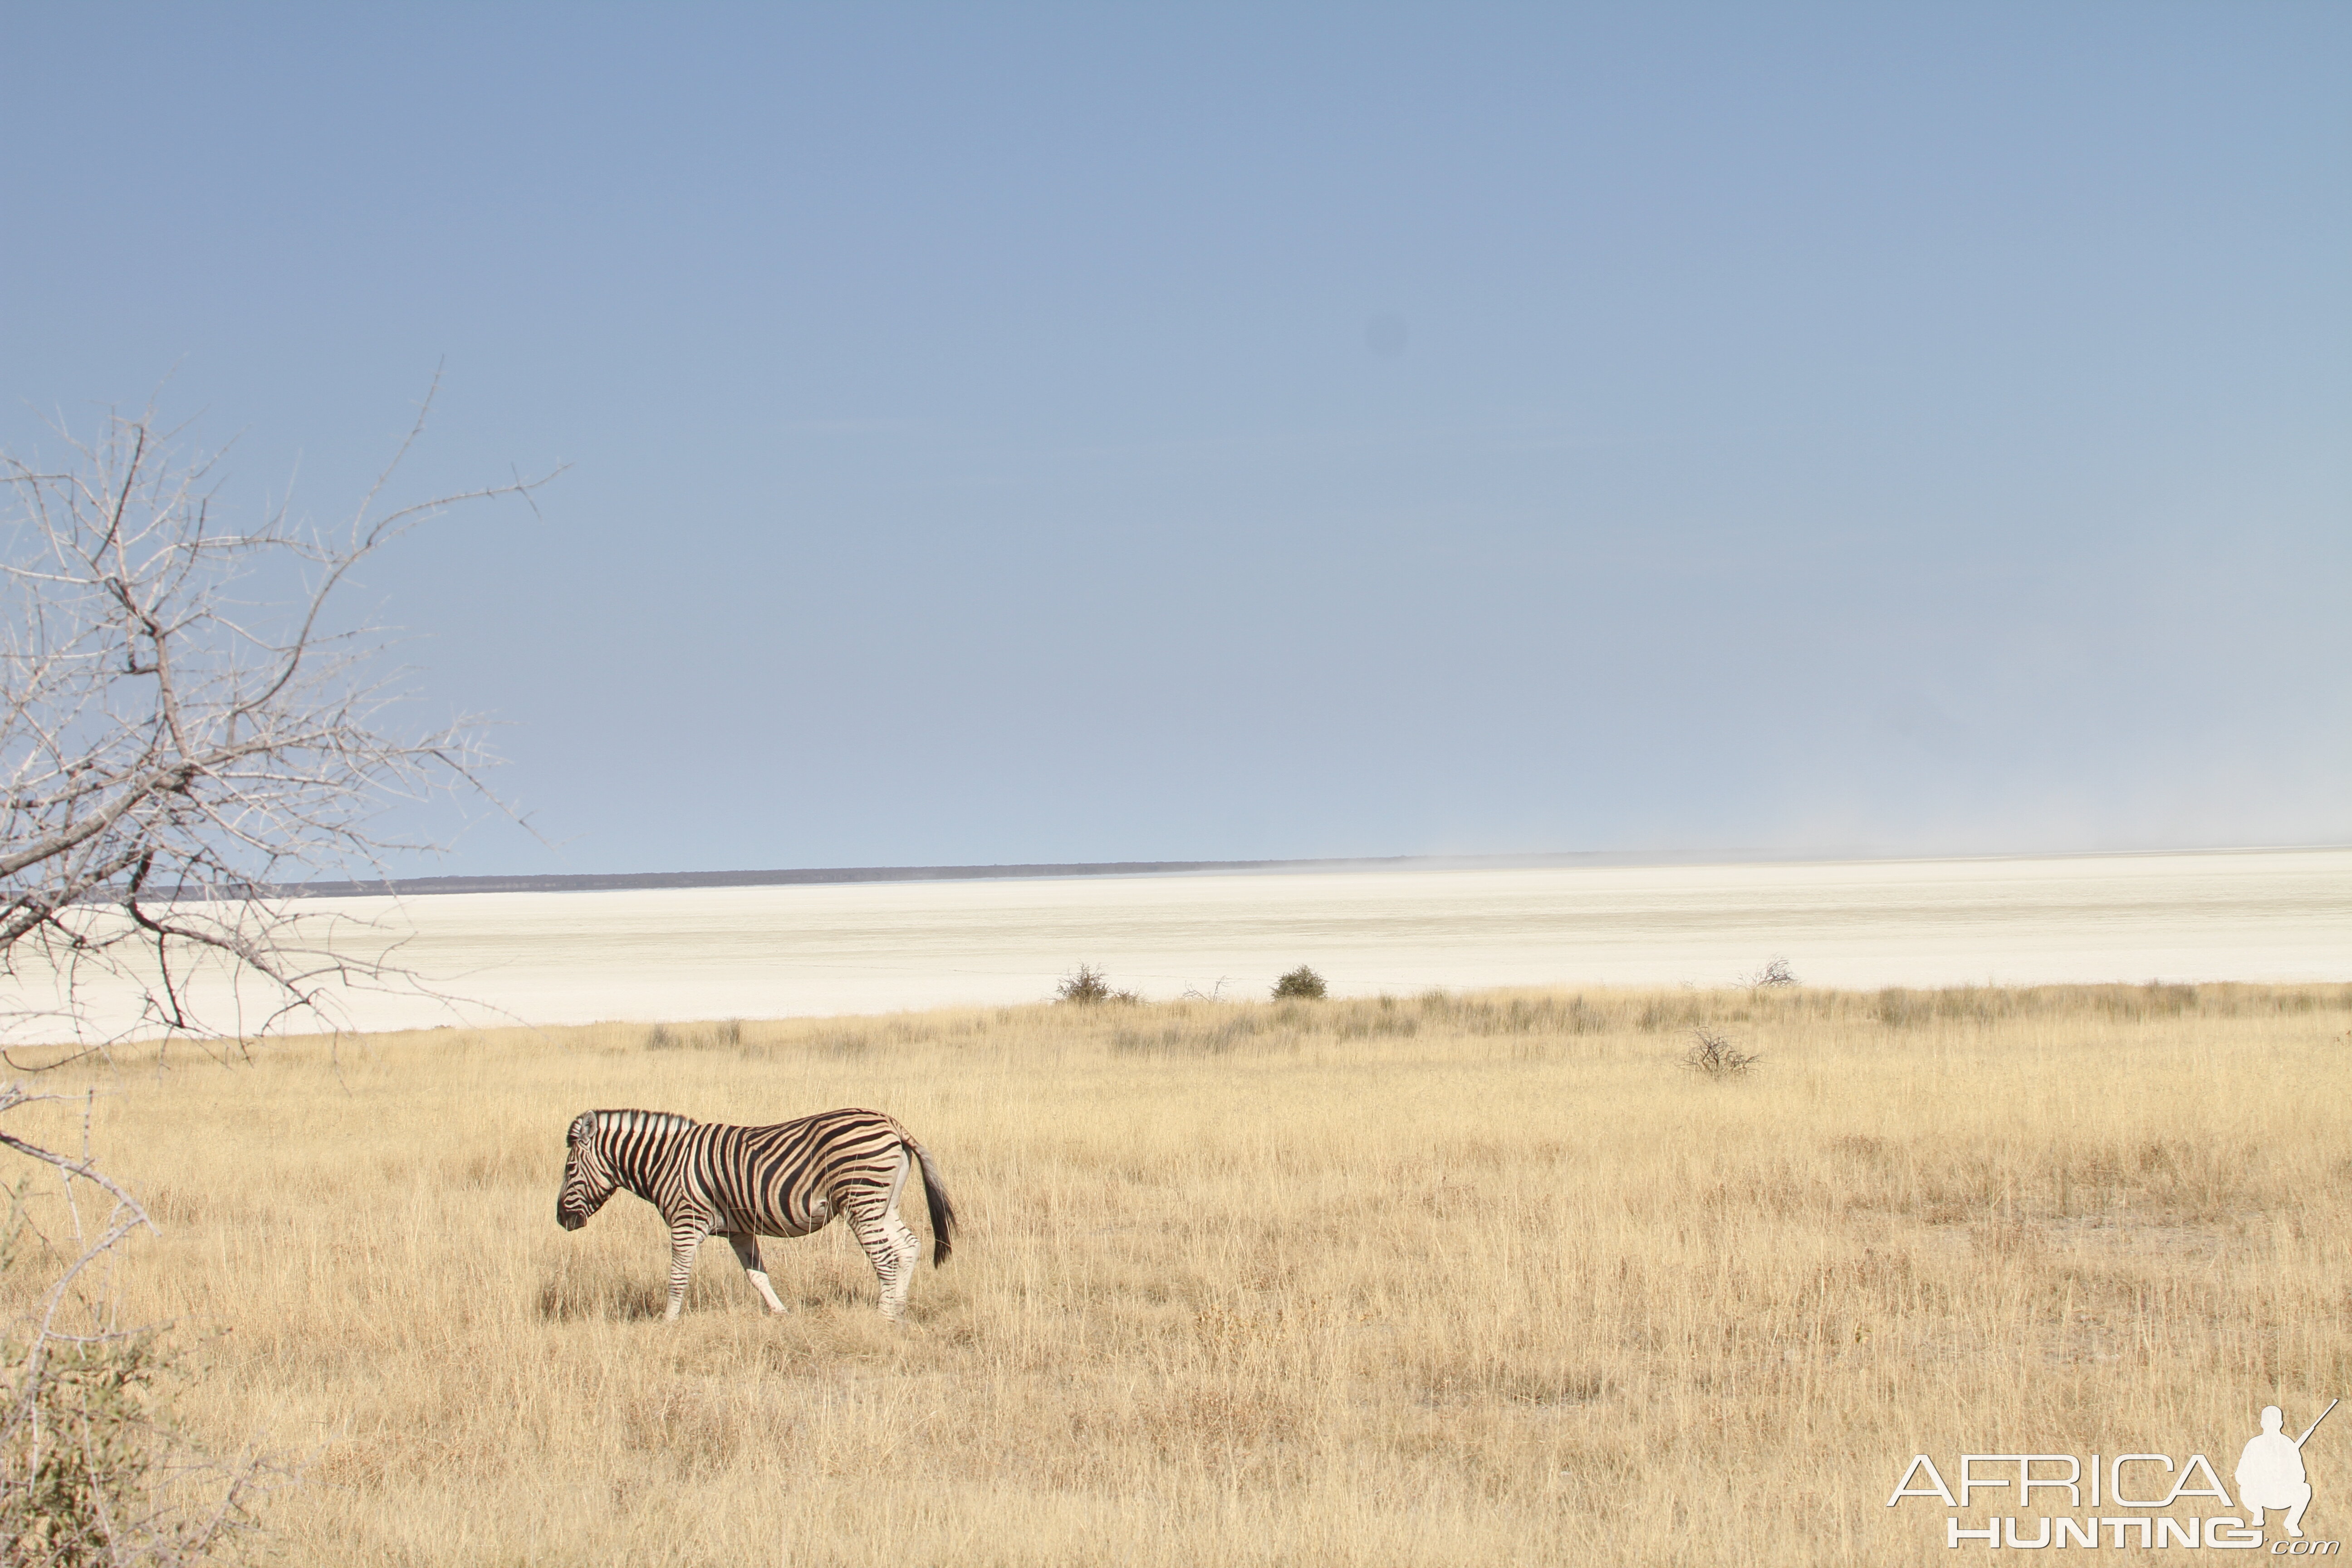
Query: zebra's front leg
892, 1249
747, 1253
685, 1241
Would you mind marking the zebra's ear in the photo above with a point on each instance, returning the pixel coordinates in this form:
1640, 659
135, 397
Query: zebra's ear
582, 1126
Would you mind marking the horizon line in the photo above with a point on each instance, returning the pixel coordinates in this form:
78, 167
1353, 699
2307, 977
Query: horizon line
616, 881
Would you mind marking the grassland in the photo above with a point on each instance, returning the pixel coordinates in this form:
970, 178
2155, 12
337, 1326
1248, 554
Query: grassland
1450, 1279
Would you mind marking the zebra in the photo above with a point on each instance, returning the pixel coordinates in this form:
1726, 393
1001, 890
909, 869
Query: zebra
743, 1183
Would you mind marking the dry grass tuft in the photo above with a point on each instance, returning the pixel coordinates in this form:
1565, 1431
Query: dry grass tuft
1444, 1279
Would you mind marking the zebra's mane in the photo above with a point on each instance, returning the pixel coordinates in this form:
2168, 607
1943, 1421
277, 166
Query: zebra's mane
642, 1121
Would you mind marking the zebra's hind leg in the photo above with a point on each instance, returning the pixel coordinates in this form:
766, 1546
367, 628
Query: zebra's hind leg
892, 1249
747, 1253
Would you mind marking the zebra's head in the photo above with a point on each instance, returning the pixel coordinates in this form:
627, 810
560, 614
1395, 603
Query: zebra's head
588, 1178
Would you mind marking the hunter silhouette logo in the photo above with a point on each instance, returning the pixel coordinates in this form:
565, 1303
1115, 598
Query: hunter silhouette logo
2143, 1499
2270, 1472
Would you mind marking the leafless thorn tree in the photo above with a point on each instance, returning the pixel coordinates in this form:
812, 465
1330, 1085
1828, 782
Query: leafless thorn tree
185, 732
182, 733
1712, 1054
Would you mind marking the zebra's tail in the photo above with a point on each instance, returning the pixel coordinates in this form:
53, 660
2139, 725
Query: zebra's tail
942, 1210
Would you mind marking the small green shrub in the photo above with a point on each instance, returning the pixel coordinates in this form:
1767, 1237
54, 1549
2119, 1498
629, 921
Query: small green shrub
93, 1472
85, 1455
1088, 986
1301, 982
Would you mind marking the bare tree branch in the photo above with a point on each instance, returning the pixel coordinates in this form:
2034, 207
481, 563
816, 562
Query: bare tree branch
181, 738
88, 1472
175, 751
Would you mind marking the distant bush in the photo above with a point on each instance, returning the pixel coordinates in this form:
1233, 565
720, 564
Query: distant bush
1301, 982
715, 1037
1773, 974
1088, 986
1712, 1054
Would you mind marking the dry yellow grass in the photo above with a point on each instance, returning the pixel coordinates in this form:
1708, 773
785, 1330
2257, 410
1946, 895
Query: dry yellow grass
1481, 1280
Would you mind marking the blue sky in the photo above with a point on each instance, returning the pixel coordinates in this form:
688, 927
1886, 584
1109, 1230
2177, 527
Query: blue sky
1090, 432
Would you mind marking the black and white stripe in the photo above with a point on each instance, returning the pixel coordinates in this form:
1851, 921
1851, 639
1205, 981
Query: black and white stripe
744, 1182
